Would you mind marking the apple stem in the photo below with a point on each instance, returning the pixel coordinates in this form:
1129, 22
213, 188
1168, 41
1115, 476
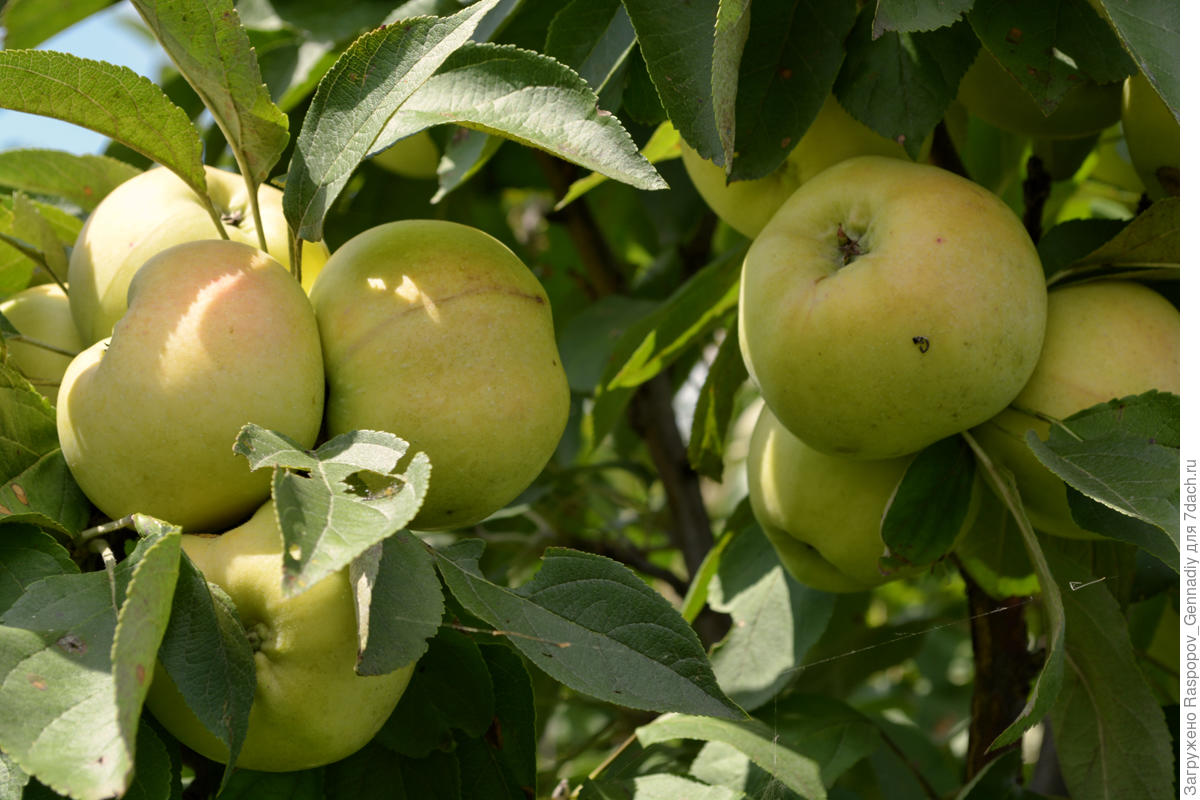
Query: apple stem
20, 337
848, 246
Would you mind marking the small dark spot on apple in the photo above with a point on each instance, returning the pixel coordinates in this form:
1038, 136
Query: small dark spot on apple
940, 240
922, 343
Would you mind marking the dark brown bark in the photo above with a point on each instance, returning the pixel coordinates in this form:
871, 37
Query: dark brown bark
1003, 671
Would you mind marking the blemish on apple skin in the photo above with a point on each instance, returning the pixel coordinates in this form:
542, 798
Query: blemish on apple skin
940, 240
1014, 35
922, 343
785, 73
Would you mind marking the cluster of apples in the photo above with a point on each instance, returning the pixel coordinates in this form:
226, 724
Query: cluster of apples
887, 304
430, 330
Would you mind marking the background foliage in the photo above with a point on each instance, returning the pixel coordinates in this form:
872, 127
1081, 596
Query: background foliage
747, 683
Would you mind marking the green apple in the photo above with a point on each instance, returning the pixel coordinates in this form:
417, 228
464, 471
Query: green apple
991, 93
414, 156
823, 513
218, 334
310, 707
888, 305
153, 211
42, 313
437, 333
746, 206
1152, 135
1104, 340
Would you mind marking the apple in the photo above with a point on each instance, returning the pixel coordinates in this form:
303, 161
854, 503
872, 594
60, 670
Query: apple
746, 206
823, 513
42, 313
217, 334
153, 211
1104, 340
993, 95
438, 333
1152, 135
310, 707
414, 156
888, 305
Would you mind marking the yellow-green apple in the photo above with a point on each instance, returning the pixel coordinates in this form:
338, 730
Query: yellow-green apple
1104, 340
823, 513
310, 707
438, 333
218, 334
746, 206
888, 305
42, 313
153, 211
993, 95
414, 156
1152, 135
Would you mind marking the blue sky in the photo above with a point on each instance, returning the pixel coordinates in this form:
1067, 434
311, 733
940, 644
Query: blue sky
105, 36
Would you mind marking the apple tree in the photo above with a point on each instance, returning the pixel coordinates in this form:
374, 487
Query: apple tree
647, 575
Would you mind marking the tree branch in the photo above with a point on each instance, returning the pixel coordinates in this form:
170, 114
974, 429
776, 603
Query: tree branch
1003, 669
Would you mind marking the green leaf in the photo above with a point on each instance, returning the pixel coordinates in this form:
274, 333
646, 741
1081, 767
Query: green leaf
156, 775
715, 407
355, 100
1125, 455
28, 554
787, 71
1149, 30
1110, 732
399, 601
1049, 680
336, 501
650, 346
209, 46
657, 786
1148, 246
907, 16
752, 738
1071, 240
514, 745
207, 655
662, 145
467, 153
111, 100
12, 780
998, 780
35, 484
245, 784
993, 552
1049, 47
451, 690
592, 37
81, 179
374, 773
829, 731
593, 625
70, 648
142, 619
900, 84
529, 98
775, 621
729, 43
43, 237
676, 41
926, 513
28, 23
